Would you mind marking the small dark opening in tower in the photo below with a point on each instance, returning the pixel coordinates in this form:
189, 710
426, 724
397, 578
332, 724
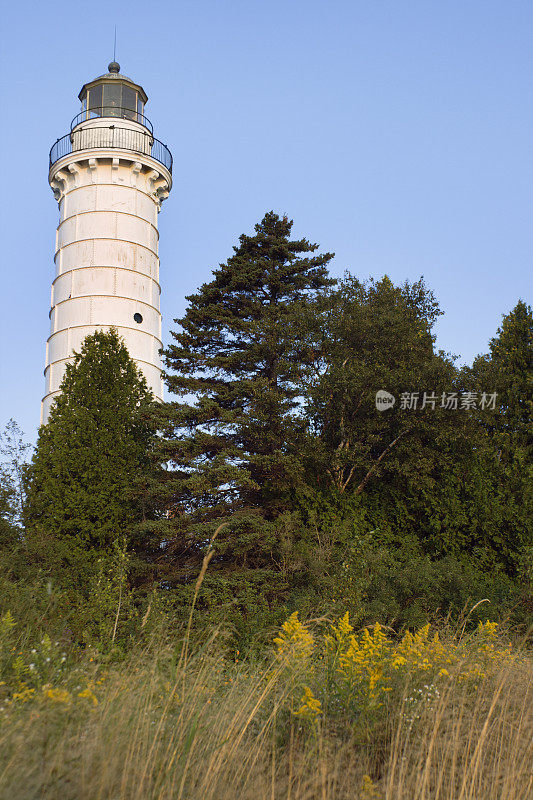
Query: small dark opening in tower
138, 317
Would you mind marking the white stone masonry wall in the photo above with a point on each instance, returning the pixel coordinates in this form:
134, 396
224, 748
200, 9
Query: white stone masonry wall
107, 264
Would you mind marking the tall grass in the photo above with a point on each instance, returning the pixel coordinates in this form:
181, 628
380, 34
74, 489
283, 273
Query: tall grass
469, 745
161, 727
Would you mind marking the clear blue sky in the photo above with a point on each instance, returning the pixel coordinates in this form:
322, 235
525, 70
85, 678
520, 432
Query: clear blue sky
397, 134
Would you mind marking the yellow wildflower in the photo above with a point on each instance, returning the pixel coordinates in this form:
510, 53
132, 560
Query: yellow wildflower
369, 790
7, 622
341, 631
311, 707
58, 695
294, 639
89, 694
24, 694
487, 630
398, 661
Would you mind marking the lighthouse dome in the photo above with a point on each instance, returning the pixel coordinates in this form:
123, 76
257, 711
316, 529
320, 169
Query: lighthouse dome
112, 95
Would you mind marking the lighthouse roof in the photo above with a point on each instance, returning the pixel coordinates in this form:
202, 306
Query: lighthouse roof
112, 75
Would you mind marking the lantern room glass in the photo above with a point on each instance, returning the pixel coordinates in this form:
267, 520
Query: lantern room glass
112, 99
95, 101
129, 101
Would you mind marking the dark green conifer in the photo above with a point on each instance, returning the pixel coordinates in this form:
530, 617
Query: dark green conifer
239, 362
507, 450
91, 454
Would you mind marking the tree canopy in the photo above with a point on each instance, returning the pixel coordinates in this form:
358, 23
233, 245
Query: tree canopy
275, 440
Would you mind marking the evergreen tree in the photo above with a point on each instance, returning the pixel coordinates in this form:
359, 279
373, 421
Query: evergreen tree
239, 362
508, 371
507, 446
90, 457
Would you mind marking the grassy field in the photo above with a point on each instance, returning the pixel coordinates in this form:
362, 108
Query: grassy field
328, 713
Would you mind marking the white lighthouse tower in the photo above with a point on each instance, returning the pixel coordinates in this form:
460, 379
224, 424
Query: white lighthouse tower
109, 175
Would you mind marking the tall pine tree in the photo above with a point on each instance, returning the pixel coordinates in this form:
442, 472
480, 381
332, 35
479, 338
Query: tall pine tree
239, 362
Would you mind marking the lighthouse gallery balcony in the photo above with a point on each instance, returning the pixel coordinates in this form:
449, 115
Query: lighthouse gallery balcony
136, 138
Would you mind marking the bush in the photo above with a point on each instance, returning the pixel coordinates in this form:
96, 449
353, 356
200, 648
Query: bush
404, 587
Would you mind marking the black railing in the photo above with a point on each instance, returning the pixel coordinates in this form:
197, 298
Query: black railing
114, 113
134, 141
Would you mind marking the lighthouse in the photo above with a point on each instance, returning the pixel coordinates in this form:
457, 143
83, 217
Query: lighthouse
109, 175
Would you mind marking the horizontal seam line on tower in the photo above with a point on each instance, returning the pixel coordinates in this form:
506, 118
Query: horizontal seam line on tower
105, 239
99, 327
115, 296
69, 358
107, 266
58, 391
107, 211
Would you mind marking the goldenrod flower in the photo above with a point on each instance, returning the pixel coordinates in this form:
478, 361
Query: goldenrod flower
294, 638
89, 694
58, 695
311, 707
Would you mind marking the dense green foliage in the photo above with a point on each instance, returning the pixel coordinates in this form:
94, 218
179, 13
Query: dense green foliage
275, 459
376, 336
409, 507
506, 452
83, 498
277, 436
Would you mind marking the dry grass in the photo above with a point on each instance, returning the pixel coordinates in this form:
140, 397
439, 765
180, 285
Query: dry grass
206, 730
470, 745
